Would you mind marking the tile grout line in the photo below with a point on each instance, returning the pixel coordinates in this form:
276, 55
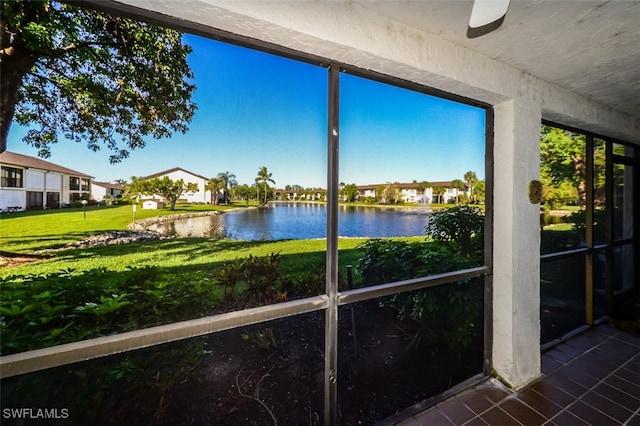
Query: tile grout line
600, 381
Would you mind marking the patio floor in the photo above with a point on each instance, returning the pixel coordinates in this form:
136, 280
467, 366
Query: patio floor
591, 379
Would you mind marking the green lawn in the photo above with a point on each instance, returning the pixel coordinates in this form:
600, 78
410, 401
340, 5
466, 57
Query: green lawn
24, 232
73, 294
207, 254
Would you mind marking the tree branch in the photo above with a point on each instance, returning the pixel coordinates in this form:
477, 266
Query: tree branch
60, 52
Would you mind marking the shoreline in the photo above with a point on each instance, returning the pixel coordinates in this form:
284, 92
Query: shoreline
428, 208
145, 223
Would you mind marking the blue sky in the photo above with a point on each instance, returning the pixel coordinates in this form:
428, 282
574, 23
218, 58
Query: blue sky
256, 109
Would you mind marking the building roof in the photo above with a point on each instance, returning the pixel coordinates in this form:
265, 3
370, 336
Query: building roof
108, 185
175, 169
409, 185
14, 159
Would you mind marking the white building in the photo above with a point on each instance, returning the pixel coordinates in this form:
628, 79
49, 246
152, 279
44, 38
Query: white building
106, 191
29, 183
177, 173
411, 192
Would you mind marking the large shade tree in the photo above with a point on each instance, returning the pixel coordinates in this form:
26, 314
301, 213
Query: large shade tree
562, 167
169, 189
91, 77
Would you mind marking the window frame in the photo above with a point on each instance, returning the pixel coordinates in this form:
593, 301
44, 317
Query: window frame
593, 248
18, 181
41, 359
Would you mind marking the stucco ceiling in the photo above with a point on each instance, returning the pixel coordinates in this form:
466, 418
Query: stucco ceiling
591, 47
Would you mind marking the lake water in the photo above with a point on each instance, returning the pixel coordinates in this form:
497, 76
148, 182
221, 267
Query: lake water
282, 221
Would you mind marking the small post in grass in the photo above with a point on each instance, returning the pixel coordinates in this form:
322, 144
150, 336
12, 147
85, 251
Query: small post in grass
135, 205
84, 208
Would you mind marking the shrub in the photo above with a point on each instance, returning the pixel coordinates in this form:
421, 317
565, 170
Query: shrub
446, 314
253, 281
46, 310
462, 227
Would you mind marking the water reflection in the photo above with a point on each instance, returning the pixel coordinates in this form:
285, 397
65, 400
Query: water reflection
300, 221
202, 226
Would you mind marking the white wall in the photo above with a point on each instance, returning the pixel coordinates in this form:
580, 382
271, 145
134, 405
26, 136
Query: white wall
201, 196
12, 197
98, 192
54, 182
349, 33
34, 180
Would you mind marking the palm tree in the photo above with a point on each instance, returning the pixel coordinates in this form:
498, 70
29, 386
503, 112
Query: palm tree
226, 178
423, 186
214, 185
458, 185
471, 178
438, 191
264, 176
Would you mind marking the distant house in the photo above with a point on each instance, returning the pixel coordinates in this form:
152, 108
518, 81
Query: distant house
31, 183
410, 193
153, 205
177, 173
106, 190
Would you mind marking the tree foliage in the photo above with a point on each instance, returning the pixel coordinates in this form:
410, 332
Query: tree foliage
471, 178
214, 185
90, 77
388, 193
479, 192
562, 166
349, 193
460, 226
458, 185
438, 191
263, 178
226, 179
164, 186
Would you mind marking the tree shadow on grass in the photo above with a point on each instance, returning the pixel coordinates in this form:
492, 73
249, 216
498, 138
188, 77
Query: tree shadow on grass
56, 240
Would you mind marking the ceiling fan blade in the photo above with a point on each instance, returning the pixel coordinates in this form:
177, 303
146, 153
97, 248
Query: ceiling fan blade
486, 16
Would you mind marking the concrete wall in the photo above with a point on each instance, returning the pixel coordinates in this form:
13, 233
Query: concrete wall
12, 197
352, 34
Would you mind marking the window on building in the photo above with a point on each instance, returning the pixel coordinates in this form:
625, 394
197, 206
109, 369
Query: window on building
74, 183
34, 200
11, 177
53, 200
84, 184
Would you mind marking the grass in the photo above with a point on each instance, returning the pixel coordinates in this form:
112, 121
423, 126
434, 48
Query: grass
24, 232
92, 291
299, 256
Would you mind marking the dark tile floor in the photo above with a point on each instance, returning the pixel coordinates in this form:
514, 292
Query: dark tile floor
591, 379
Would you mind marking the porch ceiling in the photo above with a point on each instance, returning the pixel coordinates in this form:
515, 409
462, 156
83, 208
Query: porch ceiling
591, 47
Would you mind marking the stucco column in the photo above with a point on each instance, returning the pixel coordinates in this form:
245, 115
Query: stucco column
516, 243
